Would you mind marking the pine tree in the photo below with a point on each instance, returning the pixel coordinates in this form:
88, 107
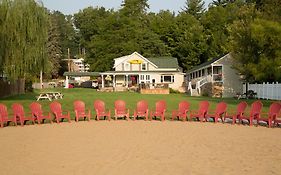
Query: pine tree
194, 8
54, 46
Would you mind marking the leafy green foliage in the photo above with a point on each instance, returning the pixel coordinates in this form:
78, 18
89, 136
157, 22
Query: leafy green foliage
23, 36
250, 29
256, 43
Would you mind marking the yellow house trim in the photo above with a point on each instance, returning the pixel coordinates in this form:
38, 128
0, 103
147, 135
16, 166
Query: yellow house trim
135, 61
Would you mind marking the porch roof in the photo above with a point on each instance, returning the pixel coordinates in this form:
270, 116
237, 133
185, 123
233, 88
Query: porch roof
204, 65
137, 72
81, 74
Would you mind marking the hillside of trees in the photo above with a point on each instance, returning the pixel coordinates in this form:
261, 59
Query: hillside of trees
249, 29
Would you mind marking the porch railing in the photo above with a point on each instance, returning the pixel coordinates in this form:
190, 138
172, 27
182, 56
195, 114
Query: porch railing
217, 77
154, 86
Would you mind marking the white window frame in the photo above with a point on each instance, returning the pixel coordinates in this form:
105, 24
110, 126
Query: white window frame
143, 67
171, 76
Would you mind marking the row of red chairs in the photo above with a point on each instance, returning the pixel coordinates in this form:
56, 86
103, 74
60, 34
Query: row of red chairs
120, 111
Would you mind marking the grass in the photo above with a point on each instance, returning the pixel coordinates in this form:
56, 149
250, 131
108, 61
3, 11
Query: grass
131, 98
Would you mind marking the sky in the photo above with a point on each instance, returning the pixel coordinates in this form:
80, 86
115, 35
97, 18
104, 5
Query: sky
73, 6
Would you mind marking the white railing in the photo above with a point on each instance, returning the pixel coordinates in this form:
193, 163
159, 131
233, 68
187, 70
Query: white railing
265, 90
198, 85
203, 81
189, 86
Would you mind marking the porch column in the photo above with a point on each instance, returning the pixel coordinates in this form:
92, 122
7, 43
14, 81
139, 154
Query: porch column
102, 82
127, 81
66, 82
114, 83
212, 74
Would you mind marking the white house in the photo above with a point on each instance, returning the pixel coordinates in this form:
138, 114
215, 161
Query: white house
133, 70
79, 65
215, 78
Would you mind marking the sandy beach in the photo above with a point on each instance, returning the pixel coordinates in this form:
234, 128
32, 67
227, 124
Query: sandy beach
139, 148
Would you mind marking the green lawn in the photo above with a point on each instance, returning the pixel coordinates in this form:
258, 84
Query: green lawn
131, 98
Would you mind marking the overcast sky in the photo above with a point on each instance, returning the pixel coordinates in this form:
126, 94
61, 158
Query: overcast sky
73, 6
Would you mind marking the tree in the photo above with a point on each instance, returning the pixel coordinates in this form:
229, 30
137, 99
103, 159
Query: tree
270, 9
255, 40
194, 8
164, 24
222, 3
54, 46
23, 37
67, 34
216, 22
134, 8
190, 41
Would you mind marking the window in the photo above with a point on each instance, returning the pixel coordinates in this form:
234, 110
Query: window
167, 79
142, 77
147, 77
143, 66
127, 66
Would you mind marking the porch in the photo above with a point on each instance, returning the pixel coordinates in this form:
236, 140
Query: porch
212, 73
120, 81
209, 74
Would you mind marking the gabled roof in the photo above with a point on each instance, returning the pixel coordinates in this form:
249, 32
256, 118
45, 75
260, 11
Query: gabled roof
206, 64
158, 62
165, 62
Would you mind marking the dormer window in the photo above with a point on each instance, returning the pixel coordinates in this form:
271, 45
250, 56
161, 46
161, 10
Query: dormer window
144, 66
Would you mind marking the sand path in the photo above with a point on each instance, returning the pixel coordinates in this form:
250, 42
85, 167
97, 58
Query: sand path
139, 148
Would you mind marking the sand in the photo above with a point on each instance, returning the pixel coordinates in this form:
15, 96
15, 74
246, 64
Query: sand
139, 148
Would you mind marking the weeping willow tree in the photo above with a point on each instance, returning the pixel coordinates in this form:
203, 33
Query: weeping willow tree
23, 34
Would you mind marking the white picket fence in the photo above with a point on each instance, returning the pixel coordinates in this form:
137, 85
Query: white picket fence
265, 90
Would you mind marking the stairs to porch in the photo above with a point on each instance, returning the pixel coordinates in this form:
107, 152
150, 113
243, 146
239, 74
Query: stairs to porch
195, 89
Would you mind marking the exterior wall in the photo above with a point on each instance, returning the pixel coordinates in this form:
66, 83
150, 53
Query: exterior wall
135, 67
178, 79
78, 65
232, 83
151, 67
119, 68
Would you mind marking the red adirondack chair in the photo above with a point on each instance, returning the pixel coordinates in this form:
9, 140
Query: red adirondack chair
56, 109
20, 114
80, 111
4, 117
121, 110
241, 107
141, 110
255, 113
182, 111
160, 109
272, 114
37, 112
100, 109
219, 112
277, 118
201, 112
